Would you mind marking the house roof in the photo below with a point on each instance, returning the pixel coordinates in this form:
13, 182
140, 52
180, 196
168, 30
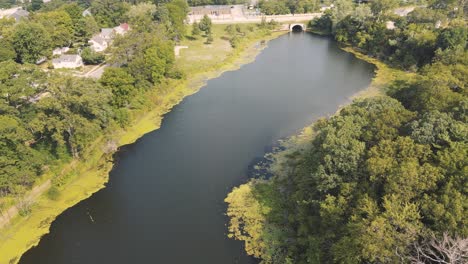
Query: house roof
98, 39
18, 15
107, 32
67, 58
62, 49
124, 26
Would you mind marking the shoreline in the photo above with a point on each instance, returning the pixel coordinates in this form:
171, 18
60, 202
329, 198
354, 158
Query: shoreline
383, 75
273, 161
87, 176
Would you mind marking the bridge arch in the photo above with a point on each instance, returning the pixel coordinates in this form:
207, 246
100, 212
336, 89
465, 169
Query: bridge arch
297, 27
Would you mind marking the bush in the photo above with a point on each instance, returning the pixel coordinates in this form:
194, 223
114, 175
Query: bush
235, 41
53, 193
91, 57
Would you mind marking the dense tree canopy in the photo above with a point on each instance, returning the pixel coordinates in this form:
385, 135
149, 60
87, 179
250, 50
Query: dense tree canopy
47, 118
384, 180
31, 42
279, 7
59, 25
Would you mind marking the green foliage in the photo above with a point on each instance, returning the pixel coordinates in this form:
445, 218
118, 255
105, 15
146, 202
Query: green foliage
7, 3
279, 7
108, 13
59, 25
373, 182
36, 5
7, 52
147, 56
31, 42
178, 10
450, 38
53, 193
121, 85
141, 16
209, 38
382, 6
234, 41
48, 118
85, 28
195, 29
91, 57
205, 24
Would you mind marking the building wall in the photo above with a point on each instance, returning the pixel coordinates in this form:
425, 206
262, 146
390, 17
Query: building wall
69, 65
200, 10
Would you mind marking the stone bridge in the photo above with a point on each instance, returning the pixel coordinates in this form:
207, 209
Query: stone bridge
297, 27
294, 26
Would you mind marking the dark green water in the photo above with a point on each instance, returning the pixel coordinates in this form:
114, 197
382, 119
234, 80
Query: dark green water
164, 201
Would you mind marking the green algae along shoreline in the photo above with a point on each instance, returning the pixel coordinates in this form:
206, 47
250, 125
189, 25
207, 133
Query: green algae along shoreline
90, 174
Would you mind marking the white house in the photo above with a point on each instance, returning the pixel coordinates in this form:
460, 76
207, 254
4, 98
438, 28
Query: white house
67, 61
98, 44
60, 51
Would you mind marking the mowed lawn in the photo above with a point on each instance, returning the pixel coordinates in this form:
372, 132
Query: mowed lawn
200, 55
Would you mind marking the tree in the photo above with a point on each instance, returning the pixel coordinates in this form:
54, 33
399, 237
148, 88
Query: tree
91, 57
73, 10
109, 13
19, 164
31, 42
7, 52
205, 24
382, 6
452, 37
36, 4
195, 29
209, 38
72, 117
85, 28
60, 26
146, 56
120, 83
342, 9
141, 16
178, 10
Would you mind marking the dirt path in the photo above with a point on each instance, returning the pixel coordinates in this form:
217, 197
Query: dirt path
13, 211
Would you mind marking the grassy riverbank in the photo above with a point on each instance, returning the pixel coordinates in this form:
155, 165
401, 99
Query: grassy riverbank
81, 178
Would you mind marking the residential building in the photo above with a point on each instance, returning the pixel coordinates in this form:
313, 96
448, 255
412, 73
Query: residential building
67, 61
98, 43
17, 13
107, 33
60, 51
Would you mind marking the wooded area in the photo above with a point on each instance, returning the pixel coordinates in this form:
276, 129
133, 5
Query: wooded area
48, 117
384, 180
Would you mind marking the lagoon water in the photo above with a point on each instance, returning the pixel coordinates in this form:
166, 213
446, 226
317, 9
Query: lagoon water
164, 200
